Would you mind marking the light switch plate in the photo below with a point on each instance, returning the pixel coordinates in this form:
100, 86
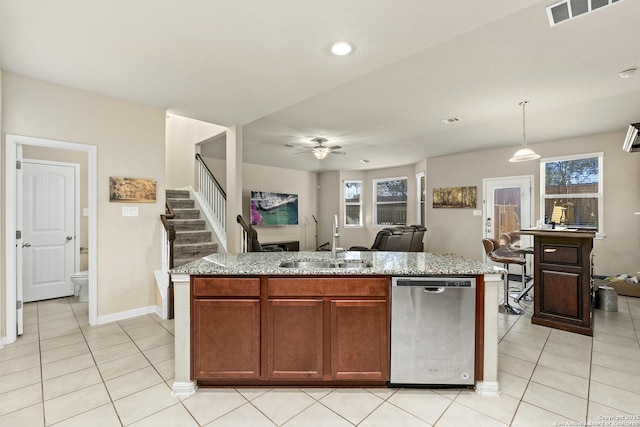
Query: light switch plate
130, 211
85, 212
477, 212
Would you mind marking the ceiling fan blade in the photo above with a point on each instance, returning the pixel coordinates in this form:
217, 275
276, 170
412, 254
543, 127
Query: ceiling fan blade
333, 147
338, 152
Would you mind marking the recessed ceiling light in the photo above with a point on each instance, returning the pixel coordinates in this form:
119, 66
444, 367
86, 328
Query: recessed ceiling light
627, 73
341, 49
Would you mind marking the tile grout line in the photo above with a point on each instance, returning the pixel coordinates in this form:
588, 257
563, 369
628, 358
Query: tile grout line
180, 401
44, 414
95, 362
530, 379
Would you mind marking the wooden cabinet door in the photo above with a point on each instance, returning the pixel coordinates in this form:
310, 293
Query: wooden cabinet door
359, 340
225, 338
294, 339
561, 293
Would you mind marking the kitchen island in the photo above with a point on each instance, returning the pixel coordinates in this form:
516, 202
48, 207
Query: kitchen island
304, 319
562, 270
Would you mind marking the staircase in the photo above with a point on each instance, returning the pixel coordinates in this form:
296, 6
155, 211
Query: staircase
193, 240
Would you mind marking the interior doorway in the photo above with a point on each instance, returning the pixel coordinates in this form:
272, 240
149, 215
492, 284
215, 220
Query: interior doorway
14, 235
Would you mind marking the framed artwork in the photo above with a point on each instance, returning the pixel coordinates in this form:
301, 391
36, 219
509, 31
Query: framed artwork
132, 190
455, 197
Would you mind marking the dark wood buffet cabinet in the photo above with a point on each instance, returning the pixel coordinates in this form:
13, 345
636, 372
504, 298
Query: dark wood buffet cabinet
287, 330
563, 296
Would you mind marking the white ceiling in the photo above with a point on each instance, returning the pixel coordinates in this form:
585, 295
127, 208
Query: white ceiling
266, 65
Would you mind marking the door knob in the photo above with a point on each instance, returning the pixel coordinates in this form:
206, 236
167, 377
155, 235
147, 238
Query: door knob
69, 238
26, 245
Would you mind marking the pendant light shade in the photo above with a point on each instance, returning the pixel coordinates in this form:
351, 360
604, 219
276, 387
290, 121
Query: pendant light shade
524, 154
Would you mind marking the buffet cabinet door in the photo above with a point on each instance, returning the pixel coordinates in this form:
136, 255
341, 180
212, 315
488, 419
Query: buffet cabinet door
294, 339
359, 340
226, 338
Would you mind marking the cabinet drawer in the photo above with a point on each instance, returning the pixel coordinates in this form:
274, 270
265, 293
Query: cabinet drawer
321, 287
560, 254
225, 287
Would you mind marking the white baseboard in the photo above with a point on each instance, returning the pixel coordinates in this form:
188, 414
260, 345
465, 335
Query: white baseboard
183, 388
488, 388
152, 309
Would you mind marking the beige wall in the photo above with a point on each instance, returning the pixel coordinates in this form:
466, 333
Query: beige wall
267, 178
131, 142
458, 231
50, 154
182, 136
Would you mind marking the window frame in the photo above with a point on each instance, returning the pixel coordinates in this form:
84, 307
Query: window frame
346, 203
599, 195
374, 183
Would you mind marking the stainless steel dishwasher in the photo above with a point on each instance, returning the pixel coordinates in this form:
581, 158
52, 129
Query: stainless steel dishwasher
432, 330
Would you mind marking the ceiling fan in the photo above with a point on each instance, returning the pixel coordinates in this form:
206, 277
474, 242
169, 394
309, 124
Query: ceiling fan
320, 150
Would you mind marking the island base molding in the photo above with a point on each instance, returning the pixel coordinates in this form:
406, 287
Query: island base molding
487, 388
184, 388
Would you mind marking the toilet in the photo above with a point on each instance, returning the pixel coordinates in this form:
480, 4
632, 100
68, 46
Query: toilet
81, 282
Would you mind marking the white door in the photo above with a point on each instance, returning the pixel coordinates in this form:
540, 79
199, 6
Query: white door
508, 207
48, 229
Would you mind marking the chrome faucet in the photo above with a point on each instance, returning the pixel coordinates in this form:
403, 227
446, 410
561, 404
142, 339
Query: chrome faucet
336, 238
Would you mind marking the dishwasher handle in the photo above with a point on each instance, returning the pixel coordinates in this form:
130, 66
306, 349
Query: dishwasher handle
428, 290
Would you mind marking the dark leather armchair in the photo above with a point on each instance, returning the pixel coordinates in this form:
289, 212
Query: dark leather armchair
379, 242
397, 239
417, 241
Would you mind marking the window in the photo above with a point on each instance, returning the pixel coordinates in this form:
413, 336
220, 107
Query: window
390, 201
352, 204
421, 196
571, 191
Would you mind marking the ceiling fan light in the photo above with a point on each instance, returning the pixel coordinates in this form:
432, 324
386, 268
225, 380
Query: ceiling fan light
524, 155
320, 153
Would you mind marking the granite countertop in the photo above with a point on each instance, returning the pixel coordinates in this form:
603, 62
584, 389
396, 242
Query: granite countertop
557, 232
382, 263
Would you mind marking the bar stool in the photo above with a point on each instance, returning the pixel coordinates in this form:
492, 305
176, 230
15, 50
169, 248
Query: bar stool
527, 280
506, 257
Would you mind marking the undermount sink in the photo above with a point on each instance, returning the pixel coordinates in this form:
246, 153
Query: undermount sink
325, 264
307, 264
355, 264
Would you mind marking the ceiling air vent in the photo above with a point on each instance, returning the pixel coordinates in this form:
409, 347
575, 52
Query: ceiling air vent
632, 141
568, 9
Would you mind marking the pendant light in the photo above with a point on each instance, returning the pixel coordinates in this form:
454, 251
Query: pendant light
524, 154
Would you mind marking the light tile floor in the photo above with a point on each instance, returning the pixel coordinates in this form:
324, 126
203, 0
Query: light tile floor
63, 372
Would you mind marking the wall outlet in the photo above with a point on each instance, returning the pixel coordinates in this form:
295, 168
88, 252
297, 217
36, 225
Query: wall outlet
130, 211
477, 212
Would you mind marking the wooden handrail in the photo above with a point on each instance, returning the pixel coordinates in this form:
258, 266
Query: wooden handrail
213, 178
171, 236
171, 232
